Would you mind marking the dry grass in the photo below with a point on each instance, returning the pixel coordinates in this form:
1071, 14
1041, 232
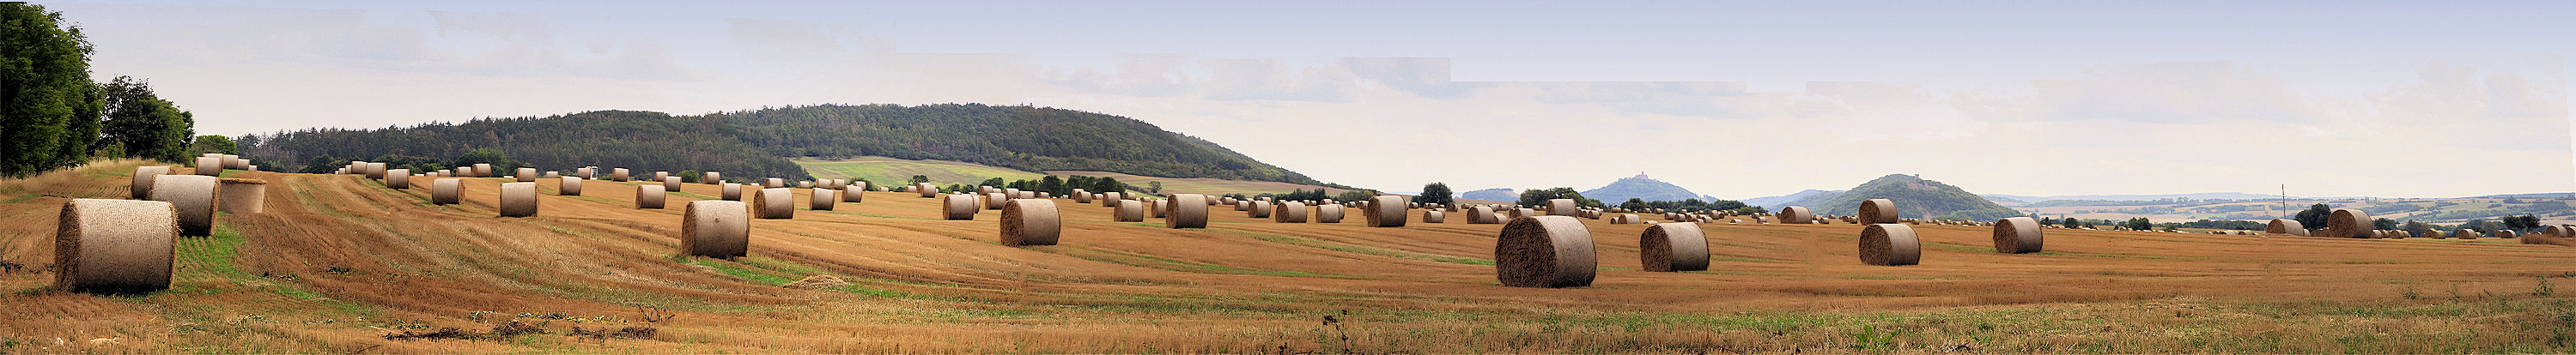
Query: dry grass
336, 265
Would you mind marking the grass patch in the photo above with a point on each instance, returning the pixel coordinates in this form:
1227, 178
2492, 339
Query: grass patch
1357, 249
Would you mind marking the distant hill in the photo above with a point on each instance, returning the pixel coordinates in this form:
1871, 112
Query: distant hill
1643, 188
1775, 202
2194, 196
2533, 195
1494, 194
1915, 198
756, 143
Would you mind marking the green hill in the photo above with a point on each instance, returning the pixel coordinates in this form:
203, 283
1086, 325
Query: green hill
1915, 198
758, 143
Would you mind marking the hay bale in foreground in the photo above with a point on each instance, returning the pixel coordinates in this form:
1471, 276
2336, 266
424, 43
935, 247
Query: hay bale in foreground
1673, 247
1330, 213
141, 187
193, 197
1188, 211
444, 191
2285, 226
2017, 235
773, 203
1434, 216
1875, 211
1482, 215
1030, 222
2348, 223
1289, 212
518, 199
568, 186
729, 191
650, 197
1386, 211
958, 207
1890, 244
1544, 251
398, 179
1795, 215
526, 175
715, 229
242, 196
1133, 211
114, 246
822, 199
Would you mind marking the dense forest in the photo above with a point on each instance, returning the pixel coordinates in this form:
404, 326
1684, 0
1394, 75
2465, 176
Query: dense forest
1018, 137
644, 141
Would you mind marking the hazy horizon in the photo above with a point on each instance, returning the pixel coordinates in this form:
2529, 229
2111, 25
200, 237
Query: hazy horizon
1734, 100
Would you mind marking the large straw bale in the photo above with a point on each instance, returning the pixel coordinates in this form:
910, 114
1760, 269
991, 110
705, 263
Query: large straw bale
1434, 216
193, 197
1795, 215
445, 191
1386, 211
243, 196
926, 190
671, 183
716, 229
1561, 207
568, 186
1330, 213
1544, 251
141, 187
2285, 226
114, 246
1482, 215
210, 166
821, 199
958, 207
1673, 247
526, 175
620, 175
1257, 209
1875, 211
1030, 222
2348, 223
1289, 212
711, 178
1890, 244
1132, 211
773, 203
995, 200
518, 199
1188, 211
398, 179
851, 193
2017, 235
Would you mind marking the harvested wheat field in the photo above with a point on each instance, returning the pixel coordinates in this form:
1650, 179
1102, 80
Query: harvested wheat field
339, 264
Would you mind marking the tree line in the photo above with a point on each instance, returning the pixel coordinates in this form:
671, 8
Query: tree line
53, 115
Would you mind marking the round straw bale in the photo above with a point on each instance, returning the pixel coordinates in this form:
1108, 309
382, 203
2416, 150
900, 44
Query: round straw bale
518, 199
2435, 234
210, 166
444, 191
243, 195
480, 170
193, 196
1482, 215
716, 229
995, 200
2017, 235
804, 184
852, 193
2505, 233
1127, 212
1257, 209
730, 191
1243, 205
1289, 212
650, 197
1523, 212
926, 190
2556, 231
1330, 213
670, 183
2348, 223
398, 179
1188, 211
549, 175
1081, 197
773, 203
586, 173
1434, 216
2285, 226
141, 188
620, 175
1795, 215
1561, 207
958, 207
1544, 251
2465, 233
772, 183
568, 186
1110, 199
1890, 244
711, 178
1386, 211
821, 199
1030, 222
1159, 208
658, 175
526, 175
1876, 211
114, 246
1672, 247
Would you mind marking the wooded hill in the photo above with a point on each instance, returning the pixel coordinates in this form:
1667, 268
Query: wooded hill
754, 143
1915, 198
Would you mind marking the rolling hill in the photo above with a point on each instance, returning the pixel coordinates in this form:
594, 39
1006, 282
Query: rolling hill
1493, 194
885, 170
1915, 198
1643, 188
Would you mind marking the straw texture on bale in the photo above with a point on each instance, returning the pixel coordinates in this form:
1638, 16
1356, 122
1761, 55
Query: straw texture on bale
193, 196
398, 179
1795, 215
715, 229
1030, 222
1544, 251
2348, 223
823, 199
211, 166
1523, 212
1890, 244
1289, 212
1482, 215
1188, 211
568, 186
711, 178
1127, 212
1434, 216
650, 197
620, 175
2017, 235
444, 191
518, 199
1673, 247
114, 246
852, 193
958, 207
1330, 213
1386, 211
729, 191
773, 203
141, 188
526, 175
1876, 211
2285, 226
1561, 207
1257, 209
243, 196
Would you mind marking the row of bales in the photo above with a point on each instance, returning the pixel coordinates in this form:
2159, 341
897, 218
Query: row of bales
2355, 223
1537, 246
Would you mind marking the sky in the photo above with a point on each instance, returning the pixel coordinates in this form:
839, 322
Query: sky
1729, 99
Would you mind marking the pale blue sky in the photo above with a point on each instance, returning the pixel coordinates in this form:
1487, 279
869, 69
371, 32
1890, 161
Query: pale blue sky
1733, 99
